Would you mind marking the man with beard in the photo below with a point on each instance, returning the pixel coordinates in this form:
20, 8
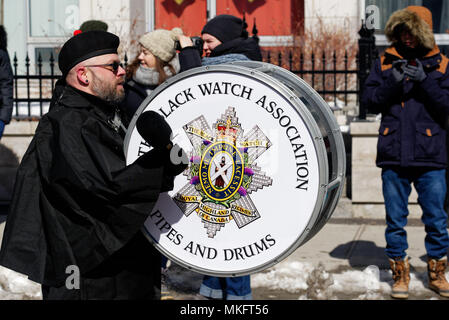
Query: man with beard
77, 211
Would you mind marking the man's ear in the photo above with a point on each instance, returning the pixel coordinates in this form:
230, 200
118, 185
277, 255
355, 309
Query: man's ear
81, 75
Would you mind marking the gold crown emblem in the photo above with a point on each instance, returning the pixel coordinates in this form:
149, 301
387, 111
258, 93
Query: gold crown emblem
226, 130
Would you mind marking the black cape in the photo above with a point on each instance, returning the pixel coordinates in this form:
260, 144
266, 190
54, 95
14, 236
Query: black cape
75, 202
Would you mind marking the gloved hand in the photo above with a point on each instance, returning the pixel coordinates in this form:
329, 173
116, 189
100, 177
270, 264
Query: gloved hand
155, 130
398, 70
415, 73
173, 161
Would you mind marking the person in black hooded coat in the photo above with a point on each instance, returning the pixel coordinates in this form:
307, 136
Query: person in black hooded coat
225, 40
6, 83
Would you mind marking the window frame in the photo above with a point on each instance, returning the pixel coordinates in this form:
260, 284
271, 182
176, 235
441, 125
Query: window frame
441, 39
39, 42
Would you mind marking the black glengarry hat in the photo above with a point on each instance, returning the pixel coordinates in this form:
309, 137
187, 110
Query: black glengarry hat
84, 46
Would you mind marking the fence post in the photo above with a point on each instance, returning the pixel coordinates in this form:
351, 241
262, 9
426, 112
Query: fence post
367, 54
16, 95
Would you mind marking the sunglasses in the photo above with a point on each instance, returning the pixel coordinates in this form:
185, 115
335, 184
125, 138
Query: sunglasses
110, 66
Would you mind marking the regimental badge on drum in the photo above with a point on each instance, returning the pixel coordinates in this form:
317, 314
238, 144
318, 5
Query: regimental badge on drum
222, 172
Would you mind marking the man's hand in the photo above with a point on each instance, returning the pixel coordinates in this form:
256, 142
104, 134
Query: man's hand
398, 70
415, 73
155, 130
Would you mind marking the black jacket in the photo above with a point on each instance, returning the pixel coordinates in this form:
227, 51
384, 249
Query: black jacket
414, 115
6, 87
75, 202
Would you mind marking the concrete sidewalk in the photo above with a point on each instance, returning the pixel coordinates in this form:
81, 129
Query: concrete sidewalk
352, 243
341, 245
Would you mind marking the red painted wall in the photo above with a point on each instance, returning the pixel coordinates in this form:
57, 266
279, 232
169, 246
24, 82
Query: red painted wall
189, 15
273, 17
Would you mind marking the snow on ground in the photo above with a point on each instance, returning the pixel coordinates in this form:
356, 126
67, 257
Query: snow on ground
368, 284
15, 286
309, 281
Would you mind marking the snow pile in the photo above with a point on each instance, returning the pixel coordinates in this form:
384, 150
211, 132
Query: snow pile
320, 284
315, 283
15, 286
371, 283
309, 281
297, 277
291, 277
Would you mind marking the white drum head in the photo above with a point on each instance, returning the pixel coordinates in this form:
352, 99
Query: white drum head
257, 175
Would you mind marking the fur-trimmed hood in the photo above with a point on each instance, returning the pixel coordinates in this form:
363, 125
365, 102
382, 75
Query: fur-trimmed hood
415, 18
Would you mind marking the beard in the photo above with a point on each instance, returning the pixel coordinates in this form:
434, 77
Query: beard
107, 91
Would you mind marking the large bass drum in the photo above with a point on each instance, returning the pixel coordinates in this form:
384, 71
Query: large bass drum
266, 167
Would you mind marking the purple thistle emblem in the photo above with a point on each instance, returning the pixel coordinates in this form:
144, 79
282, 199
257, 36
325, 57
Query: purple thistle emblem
242, 191
195, 180
249, 172
195, 159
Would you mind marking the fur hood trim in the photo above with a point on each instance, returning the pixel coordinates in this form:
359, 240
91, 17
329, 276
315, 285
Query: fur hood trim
417, 26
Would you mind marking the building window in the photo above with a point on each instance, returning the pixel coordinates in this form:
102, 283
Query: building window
439, 9
39, 27
51, 23
440, 16
51, 18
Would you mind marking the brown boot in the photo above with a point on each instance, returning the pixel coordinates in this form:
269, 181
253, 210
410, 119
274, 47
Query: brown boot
401, 278
437, 279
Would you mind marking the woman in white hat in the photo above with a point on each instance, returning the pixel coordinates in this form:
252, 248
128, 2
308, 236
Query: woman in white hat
156, 62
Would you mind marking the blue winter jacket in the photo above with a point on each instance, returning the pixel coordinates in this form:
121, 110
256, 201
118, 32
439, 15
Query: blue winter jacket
412, 132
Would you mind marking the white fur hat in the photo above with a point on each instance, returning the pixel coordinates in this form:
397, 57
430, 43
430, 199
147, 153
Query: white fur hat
161, 42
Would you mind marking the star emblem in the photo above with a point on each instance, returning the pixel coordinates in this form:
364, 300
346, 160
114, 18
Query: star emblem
223, 172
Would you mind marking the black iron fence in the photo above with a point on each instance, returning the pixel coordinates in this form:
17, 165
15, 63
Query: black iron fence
337, 77
333, 76
33, 90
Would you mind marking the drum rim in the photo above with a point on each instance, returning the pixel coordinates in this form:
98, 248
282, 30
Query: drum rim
310, 125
